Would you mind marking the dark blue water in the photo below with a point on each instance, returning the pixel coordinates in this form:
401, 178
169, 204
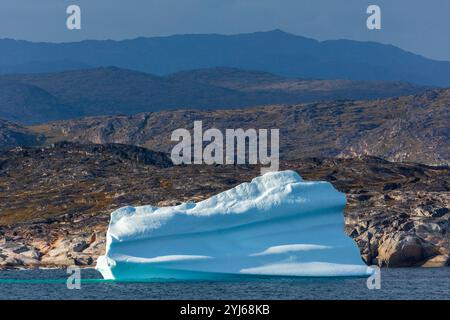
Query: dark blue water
413, 283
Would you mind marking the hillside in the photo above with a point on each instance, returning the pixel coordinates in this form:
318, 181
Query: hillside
264, 83
12, 135
273, 51
412, 128
55, 201
38, 98
420, 134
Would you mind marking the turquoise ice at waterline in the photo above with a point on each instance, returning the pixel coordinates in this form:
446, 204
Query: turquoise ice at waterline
276, 225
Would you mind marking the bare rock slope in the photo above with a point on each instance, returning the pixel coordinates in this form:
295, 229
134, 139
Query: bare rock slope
411, 128
55, 201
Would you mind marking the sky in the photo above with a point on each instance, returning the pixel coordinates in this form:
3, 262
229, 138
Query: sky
419, 26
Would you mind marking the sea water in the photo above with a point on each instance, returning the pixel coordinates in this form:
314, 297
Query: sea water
406, 283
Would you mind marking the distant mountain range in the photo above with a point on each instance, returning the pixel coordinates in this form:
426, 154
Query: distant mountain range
274, 51
412, 128
43, 97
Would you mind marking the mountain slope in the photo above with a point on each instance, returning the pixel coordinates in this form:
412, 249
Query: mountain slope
12, 135
318, 129
56, 201
274, 51
260, 82
115, 91
23, 102
420, 134
37, 98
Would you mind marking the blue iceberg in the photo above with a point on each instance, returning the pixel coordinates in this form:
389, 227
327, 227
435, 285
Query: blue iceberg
277, 225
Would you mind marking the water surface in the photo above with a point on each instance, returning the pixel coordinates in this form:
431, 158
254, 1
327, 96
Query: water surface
412, 283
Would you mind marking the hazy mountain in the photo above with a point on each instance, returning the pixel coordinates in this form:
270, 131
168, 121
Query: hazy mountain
412, 128
37, 98
274, 51
42, 66
264, 83
12, 135
27, 103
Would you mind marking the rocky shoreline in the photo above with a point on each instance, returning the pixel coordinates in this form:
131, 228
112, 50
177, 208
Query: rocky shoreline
55, 201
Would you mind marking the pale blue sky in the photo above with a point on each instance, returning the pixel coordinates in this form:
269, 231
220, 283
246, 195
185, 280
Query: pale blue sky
416, 25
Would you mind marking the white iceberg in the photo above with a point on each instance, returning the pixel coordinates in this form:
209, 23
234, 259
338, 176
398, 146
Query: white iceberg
277, 225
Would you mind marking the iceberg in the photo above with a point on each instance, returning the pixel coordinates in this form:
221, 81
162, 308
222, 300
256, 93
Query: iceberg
276, 225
